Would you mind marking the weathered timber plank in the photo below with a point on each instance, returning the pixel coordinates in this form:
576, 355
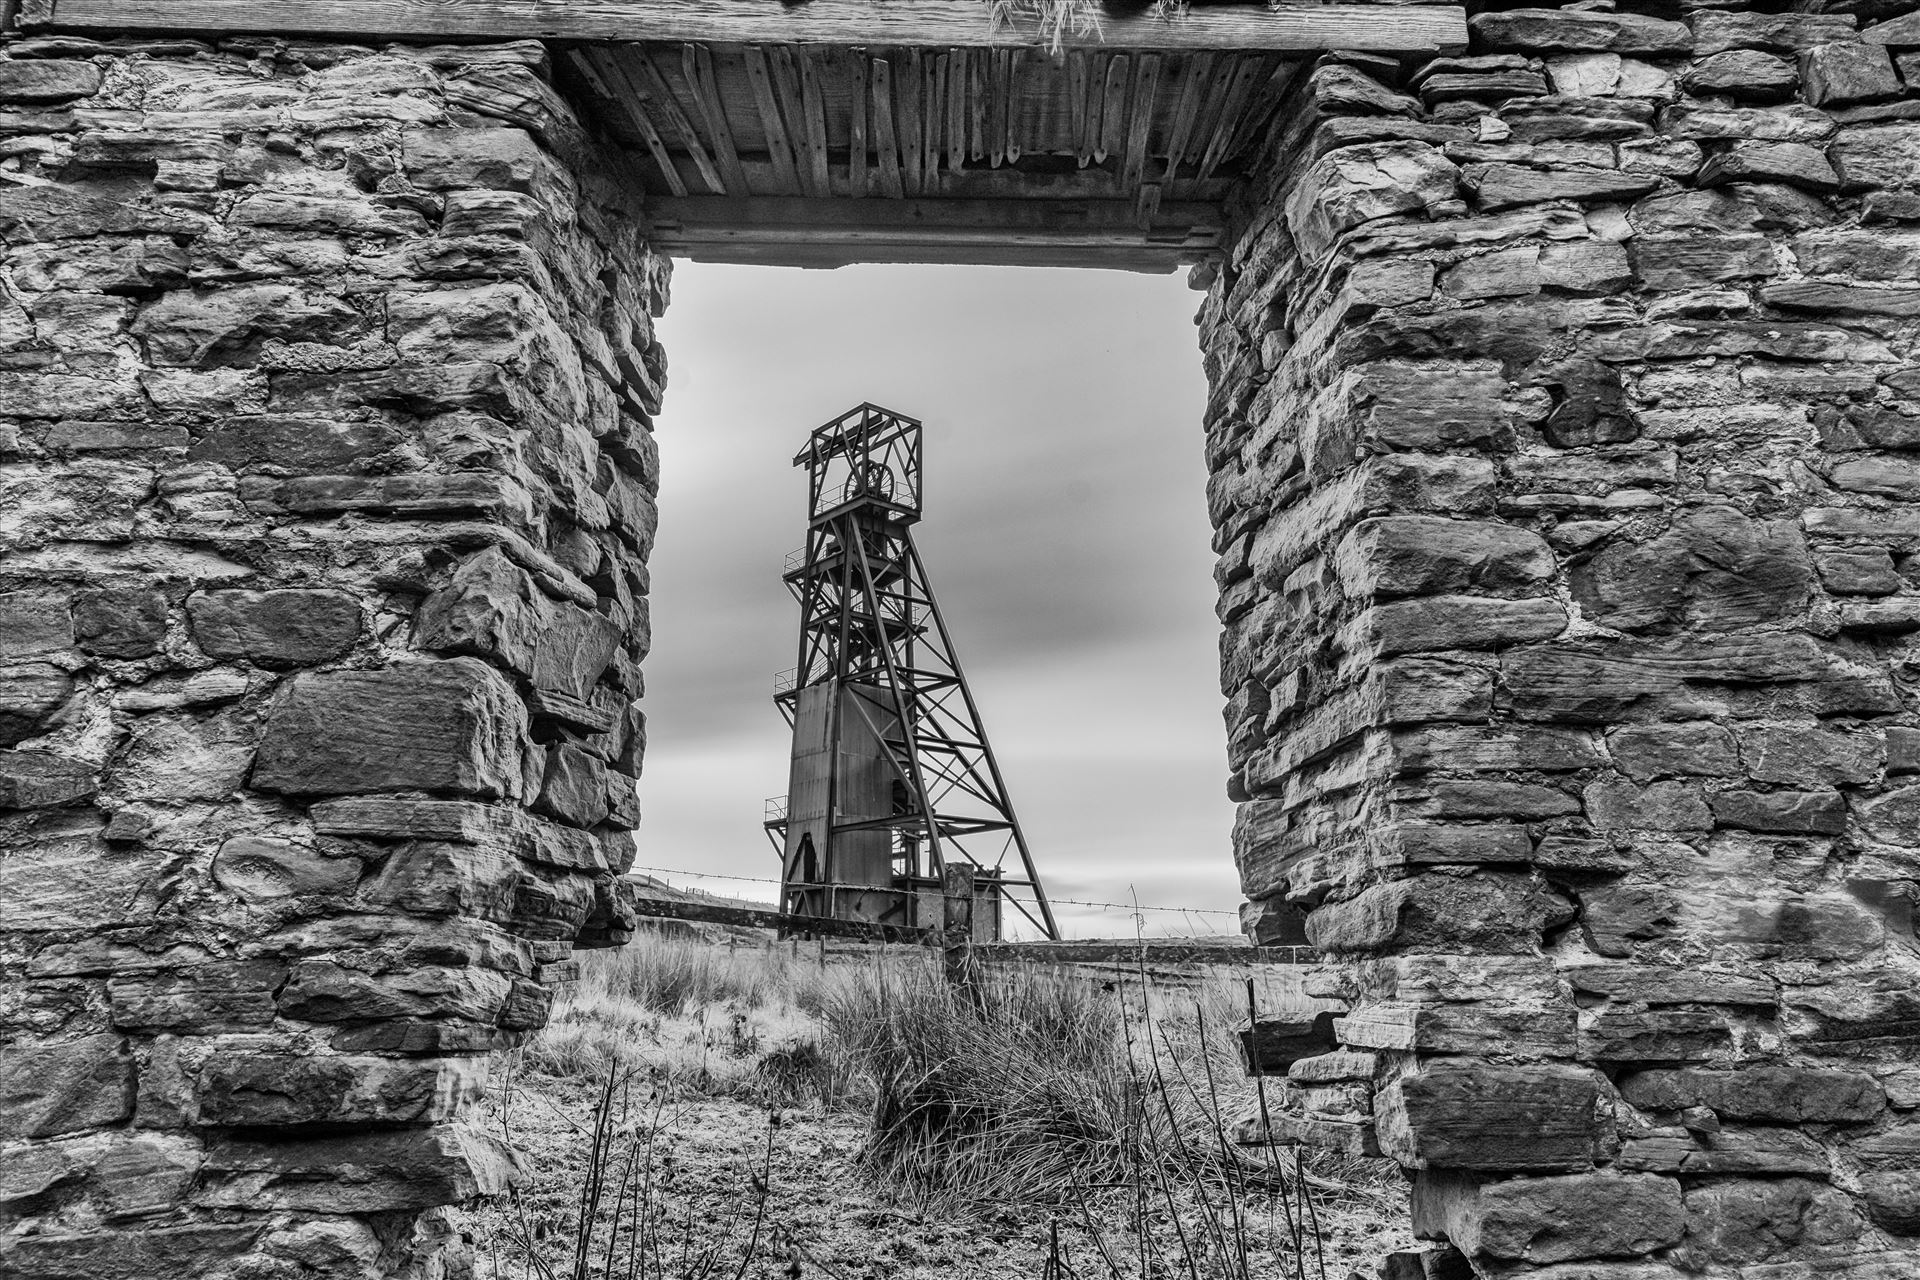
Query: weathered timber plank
934, 138
828, 255
911, 129
957, 112
1113, 114
885, 142
752, 918
764, 101
1073, 217
1010, 109
996, 136
655, 86
1146, 83
857, 125
814, 136
980, 76
1246, 78
1263, 104
786, 84
1420, 29
1001, 184
604, 67
696, 65
1077, 104
1147, 208
1192, 85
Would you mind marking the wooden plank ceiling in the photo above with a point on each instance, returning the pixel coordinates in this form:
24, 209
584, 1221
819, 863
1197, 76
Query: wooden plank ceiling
818, 155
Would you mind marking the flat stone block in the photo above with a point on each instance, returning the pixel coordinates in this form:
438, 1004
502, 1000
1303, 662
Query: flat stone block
1541, 1220
288, 628
1661, 984
1755, 1220
493, 609
357, 1173
48, 1090
1459, 1028
1346, 1137
441, 726
212, 996
1484, 913
1761, 1152
465, 822
47, 80
1780, 1093
254, 1090
1669, 1035
125, 1255
1461, 1114
37, 780
323, 991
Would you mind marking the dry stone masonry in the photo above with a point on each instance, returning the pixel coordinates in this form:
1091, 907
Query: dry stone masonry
1565, 444
326, 489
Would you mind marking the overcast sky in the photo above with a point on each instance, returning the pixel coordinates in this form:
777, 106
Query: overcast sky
1064, 532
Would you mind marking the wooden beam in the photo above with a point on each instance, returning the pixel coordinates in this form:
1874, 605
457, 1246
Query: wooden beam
1199, 71
996, 107
906, 96
885, 138
1146, 83
933, 118
1113, 112
602, 69
768, 105
658, 93
1384, 28
813, 109
828, 233
857, 123
786, 83
1011, 109
1246, 78
980, 76
827, 255
696, 65
1079, 104
957, 112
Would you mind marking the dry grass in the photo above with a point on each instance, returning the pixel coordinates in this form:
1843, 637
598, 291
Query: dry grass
716, 1020
1101, 1103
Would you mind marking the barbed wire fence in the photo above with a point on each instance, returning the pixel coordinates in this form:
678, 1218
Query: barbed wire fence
1136, 910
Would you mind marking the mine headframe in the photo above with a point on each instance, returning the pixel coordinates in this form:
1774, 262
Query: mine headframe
892, 778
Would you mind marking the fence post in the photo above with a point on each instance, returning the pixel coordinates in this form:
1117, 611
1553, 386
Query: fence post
957, 932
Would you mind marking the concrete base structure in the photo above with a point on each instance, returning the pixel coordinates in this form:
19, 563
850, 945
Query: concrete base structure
1565, 442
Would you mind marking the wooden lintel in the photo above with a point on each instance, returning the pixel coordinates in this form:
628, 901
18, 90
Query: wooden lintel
1380, 28
799, 232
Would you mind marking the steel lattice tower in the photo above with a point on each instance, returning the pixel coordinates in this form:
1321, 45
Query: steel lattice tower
892, 777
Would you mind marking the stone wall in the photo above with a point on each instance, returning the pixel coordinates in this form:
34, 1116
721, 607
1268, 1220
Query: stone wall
1564, 437
326, 488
